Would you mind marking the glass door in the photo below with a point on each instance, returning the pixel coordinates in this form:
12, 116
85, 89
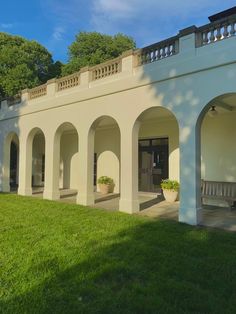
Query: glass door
153, 163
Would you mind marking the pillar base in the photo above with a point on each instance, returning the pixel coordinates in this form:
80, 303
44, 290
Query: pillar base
129, 206
5, 188
51, 195
191, 216
25, 192
86, 200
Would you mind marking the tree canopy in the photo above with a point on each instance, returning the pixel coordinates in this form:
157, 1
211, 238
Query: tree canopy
91, 48
23, 64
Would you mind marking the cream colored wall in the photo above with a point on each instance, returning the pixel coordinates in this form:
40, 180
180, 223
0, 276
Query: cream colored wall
107, 148
165, 128
69, 161
218, 146
38, 151
179, 83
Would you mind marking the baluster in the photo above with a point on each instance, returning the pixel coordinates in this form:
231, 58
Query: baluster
225, 33
205, 38
145, 57
173, 49
154, 55
232, 29
218, 34
118, 67
168, 51
163, 54
149, 56
142, 58
212, 36
158, 53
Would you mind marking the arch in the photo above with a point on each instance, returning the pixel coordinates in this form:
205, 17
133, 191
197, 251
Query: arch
217, 134
10, 162
157, 132
31, 134
35, 143
63, 127
104, 133
213, 102
66, 138
96, 122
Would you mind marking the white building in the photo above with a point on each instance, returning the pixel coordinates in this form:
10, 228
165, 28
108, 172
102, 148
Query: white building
139, 118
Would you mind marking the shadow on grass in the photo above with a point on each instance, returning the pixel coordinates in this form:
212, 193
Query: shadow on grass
155, 267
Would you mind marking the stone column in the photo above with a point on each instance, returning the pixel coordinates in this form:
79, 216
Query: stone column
86, 164
190, 175
52, 167
4, 165
129, 202
25, 166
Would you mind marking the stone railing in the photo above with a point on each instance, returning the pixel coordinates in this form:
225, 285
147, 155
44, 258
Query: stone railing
158, 51
106, 69
68, 81
38, 91
188, 39
216, 31
15, 100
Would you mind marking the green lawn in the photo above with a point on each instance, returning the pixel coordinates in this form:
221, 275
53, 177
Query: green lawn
61, 258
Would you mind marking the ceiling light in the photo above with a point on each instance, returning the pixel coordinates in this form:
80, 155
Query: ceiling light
212, 112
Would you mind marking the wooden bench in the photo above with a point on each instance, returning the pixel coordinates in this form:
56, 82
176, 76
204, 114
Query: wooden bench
225, 191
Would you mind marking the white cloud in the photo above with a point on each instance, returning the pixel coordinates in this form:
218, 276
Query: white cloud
6, 25
147, 21
115, 9
58, 33
152, 18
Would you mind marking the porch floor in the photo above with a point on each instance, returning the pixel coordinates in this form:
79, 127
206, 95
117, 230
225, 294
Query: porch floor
156, 207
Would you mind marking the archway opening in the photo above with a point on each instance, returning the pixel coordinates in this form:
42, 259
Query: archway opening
68, 168
14, 163
106, 158
218, 165
158, 153
38, 161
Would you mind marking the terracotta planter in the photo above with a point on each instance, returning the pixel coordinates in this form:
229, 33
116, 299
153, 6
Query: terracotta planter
106, 188
170, 196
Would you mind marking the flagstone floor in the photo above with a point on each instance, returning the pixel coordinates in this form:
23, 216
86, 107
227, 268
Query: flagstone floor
156, 207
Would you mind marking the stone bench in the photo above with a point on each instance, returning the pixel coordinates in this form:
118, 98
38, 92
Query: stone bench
225, 191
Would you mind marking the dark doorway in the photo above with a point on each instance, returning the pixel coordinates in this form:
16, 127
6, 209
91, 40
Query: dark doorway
153, 163
13, 165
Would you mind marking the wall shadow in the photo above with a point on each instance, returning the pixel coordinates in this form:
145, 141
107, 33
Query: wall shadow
153, 267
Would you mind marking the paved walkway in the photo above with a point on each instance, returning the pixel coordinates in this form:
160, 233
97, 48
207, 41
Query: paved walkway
156, 207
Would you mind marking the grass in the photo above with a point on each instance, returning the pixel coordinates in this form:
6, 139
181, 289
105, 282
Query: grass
61, 258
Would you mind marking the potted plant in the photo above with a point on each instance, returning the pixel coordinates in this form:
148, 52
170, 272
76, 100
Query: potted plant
170, 190
106, 185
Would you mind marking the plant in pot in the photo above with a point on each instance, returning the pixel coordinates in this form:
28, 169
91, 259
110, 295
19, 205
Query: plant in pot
170, 190
106, 184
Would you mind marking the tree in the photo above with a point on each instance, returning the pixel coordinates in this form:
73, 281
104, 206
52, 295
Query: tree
91, 48
23, 64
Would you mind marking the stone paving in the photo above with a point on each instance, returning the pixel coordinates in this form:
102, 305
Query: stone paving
156, 207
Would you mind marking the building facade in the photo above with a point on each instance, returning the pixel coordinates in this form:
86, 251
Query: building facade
165, 111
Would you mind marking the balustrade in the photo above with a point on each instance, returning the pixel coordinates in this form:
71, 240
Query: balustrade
38, 91
216, 31
106, 69
158, 51
15, 100
68, 81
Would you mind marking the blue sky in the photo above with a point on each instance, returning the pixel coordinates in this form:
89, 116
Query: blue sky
54, 23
